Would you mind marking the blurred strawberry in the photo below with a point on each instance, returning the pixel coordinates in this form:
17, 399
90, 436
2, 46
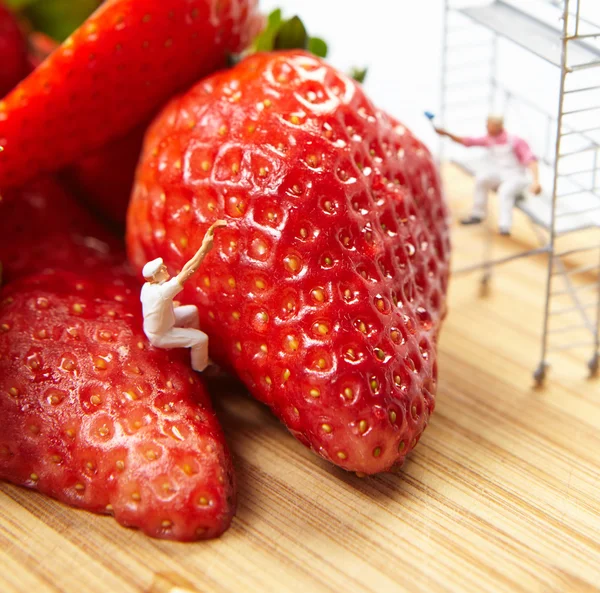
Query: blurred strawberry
42, 227
94, 416
111, 74
13, 51
104, 178
326, 291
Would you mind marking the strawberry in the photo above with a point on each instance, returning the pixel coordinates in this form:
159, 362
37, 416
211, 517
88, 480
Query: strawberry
13, 51
111, 74
326, 291
104, 178
42, 227
94, 416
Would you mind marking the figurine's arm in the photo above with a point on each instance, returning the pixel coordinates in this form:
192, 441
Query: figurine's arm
453, 137
528, 159
192, 266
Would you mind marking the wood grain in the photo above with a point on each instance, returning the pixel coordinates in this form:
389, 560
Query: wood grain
501, 495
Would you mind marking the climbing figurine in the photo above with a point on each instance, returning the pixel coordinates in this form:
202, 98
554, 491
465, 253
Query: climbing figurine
167, 325
511, 168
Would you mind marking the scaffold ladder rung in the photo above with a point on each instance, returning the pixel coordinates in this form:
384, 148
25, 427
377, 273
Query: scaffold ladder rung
570, 346
570, 328
574, 309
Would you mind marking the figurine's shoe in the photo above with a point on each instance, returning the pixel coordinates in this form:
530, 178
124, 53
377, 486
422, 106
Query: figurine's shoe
471, 220
505, 232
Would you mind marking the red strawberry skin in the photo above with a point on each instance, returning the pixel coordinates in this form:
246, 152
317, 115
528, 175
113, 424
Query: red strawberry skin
13, 51
42, 227
327, 290
95, 417
111, 74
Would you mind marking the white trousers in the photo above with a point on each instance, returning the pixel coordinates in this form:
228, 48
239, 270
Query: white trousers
509, 186
185, 334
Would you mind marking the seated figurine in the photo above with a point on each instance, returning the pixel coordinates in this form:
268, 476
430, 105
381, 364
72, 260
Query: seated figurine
510, 169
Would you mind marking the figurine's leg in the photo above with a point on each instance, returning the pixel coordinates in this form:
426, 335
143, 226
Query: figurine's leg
180, 337
507, 196
483, 184
187, 316
199, 352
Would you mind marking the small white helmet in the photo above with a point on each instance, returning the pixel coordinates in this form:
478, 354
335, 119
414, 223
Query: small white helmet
152, 267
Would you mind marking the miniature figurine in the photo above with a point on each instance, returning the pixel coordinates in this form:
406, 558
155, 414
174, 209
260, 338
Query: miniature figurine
167, 325
511, 168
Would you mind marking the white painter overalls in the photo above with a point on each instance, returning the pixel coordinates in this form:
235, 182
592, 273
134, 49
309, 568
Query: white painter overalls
504, 173
167, 326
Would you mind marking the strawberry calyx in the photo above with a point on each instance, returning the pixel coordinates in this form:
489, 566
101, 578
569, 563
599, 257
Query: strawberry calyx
359, 74
291, 33
281, 33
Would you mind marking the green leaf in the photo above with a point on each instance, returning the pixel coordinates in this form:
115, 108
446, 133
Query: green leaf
281, 33
266, 39
359, 74
264, 42
58, 18
274, 19
291, 35
318, 47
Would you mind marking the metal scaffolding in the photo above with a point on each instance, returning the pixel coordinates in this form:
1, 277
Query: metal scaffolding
559, 33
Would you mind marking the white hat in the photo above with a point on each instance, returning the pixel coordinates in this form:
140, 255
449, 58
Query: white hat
152, 267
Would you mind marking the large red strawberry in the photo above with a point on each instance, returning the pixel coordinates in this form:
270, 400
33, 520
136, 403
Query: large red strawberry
111, 74
327, 289
13, 51
42, 227
93, 415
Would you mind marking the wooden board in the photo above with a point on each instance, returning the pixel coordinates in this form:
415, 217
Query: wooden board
502, 493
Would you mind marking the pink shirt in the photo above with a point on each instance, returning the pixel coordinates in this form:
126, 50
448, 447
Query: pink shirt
522, 149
